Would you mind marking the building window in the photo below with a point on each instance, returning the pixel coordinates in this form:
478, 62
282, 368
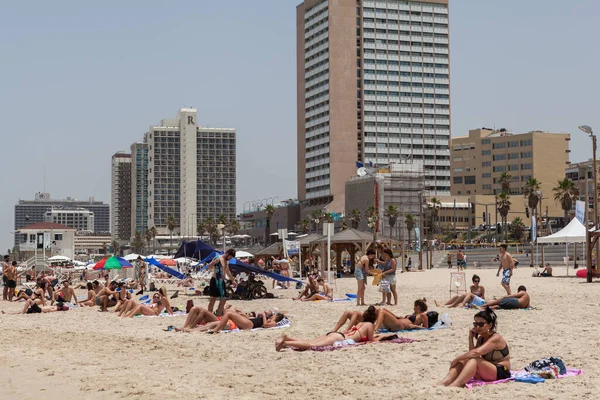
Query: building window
499, 146
500, 168
458, 179
58, 236
470, 180
486, 152
526, 166
487, 187
498, 157
513, 167
486, 163
527, 154
486, 141
513, 156
526, 142
486, 175
514, 143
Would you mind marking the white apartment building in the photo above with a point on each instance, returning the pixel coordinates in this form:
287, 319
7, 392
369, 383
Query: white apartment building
191, 173
77, 218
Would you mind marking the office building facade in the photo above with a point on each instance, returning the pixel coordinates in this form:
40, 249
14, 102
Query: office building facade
139, 188
373, 85
191, 173
29, 212
121, 197
480, 158
78, 218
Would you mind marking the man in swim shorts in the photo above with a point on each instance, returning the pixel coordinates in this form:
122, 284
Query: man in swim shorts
5, 266
103, 297
506, 265
11, 280
220, 267
511, 302
65, 295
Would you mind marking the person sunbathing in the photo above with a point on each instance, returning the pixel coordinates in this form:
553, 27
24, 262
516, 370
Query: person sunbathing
514, 301
37, 294
363, 332
326, 294
353, 318
311, 288
122, 296
200, 319
245, 322
391, 322
157, 305
476, 290
31, 307
488, 357
187, 282
89, 302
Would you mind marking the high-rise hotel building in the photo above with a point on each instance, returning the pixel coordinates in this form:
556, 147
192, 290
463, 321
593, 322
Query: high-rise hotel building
191, 173
139, 188
373, 86
120, 204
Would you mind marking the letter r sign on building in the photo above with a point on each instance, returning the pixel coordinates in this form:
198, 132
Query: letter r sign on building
190, 119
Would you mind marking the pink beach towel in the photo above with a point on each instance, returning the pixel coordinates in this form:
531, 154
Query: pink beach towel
476, 382
400, 340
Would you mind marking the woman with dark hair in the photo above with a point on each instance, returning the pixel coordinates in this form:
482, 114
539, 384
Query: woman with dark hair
417, 320
244, 322
488, 357
388, 267
89, 302
476, 295
363, 332
361, 270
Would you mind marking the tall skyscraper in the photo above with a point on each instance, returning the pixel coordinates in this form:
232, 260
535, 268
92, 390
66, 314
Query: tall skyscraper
139, 188
373, 85
121, 196
191, 173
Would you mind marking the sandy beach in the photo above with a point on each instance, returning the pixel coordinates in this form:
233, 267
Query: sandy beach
84, 354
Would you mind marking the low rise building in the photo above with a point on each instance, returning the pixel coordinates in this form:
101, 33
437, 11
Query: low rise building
47, 238
262, 229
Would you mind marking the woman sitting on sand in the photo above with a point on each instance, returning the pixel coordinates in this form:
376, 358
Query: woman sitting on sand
122, 296
37, 294
244, 322
418, 320
476, 295
488, 357
363, 332
326, 294
157, 305
91, 295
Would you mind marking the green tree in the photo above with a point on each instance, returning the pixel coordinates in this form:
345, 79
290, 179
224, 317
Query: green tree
531, 192
200, 228
154, 233
210, 227
328, 217
565, 194
516, 228
503, 207
148, 237
171, 227
504, 180
409, 221
372, 218
305, 225
434, 206
234, 226
354, 218
138, 243
344, 225
116, 248
392, 213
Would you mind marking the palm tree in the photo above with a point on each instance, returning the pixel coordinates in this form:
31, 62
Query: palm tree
354, 218
234, 226
531, 193
409, 221
222, 219
503, 207
200, 228
565, 193
435, 205
328, 217
305, 225
315, 217
392, 214
210, 227
344, 225
138, 243
116, 247
148, 236
516, 228
154, 233
504, 180
372, 218
269, 211
171, 227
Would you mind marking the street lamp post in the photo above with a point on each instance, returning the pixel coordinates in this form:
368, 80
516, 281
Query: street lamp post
588, 129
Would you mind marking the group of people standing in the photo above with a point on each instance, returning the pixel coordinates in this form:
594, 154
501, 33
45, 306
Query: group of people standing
384, 273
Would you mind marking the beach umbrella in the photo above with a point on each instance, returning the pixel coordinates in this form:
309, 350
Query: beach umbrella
169, 262
242, 254
112, 263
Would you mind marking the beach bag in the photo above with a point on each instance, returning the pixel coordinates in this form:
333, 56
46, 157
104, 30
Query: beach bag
432, 317
384, 286
545, 363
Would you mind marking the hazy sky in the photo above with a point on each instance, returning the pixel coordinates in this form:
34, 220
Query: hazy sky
82, 80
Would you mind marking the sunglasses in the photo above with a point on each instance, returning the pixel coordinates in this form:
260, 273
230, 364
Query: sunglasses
475, 281
478, 324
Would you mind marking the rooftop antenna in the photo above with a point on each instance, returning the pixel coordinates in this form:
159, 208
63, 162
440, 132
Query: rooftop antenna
44, 179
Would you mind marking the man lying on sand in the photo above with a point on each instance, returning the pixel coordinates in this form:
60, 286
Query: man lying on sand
202, 320
512, 302
417, 320
32, 307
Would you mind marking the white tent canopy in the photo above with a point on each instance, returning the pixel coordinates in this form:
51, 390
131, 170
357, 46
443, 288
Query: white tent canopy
574, 232
59, 258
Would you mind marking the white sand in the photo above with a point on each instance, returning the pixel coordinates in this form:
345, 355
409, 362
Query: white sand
84, 354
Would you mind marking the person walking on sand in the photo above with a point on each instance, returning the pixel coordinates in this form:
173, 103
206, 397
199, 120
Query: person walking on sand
5, 266
220, 267
506, 265
141, 274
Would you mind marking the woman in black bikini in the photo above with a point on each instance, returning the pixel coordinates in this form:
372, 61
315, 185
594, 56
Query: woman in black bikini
264, 320
462, 299
418, 320
488, 357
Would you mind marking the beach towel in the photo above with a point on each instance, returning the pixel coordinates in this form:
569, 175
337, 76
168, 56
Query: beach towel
521, 376
400, 340
163, 314
284, 323
443, 323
